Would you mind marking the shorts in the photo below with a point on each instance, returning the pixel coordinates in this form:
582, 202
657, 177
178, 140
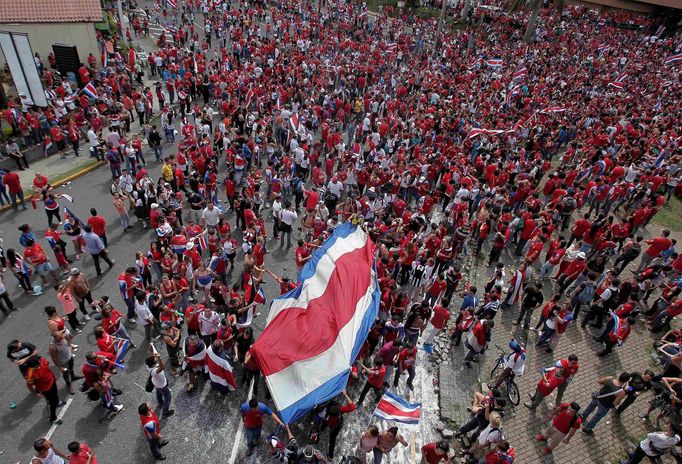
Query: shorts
61, 144
44, 268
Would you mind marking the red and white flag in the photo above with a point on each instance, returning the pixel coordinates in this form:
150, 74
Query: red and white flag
220, 372
391, 407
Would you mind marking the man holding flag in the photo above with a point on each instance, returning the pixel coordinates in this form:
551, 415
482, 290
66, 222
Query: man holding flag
253, 414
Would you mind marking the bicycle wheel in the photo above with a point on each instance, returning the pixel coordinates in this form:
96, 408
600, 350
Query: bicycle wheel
493, 371
513, 392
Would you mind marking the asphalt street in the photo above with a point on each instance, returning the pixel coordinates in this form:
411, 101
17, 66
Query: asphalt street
205, 424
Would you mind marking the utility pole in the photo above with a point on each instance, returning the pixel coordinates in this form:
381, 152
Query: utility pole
124, 28
439, 30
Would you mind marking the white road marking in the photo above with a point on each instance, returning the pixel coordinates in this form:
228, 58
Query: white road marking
240, 429
59, 417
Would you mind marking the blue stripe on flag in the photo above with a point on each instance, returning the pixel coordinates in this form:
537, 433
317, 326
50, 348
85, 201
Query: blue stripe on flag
324, 392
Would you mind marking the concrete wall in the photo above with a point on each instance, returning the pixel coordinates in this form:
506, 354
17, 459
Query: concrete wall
43, 35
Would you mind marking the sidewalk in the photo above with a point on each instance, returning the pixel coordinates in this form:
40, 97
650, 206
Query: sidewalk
614, 435
60, 171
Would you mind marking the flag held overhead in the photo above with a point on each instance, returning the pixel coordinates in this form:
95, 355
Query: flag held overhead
314, 332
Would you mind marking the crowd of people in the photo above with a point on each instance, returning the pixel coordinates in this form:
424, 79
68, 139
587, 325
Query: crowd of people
541, 164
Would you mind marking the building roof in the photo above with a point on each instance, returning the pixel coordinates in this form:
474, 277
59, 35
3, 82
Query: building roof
50, 11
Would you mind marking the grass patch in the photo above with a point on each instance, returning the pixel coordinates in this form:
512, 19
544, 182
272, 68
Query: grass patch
670, 216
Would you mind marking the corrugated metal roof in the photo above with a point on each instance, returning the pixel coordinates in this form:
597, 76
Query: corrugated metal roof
50, 11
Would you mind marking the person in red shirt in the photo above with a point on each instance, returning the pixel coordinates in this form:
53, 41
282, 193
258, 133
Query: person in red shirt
441, 316
375, 380
656, 246
435, 453
436, 289
36, 257
99, 225
565, 421
57, 135
41, 380
13, 184
406, 361
302, 255
552, 377
81, 454
253, 413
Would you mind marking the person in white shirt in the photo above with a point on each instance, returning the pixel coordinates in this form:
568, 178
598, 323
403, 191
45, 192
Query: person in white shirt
208, 325
126, 182
514, 363
655, 444
488, 438
335, 186
156, 366
276, 215
210, 216
287, 218
144, 315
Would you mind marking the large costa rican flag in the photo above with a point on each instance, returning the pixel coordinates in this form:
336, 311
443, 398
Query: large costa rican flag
219, 372
315, 331
393, 408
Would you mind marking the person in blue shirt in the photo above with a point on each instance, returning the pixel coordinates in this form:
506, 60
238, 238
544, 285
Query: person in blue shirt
253, 413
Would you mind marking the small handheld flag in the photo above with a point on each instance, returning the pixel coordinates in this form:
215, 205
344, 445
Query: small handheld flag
393, 408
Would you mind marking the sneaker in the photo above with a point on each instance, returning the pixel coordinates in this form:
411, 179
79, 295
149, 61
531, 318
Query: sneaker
160, 457
132, 320
57, 422
587, 431
118, 408
169, 413
86, 317
190, 387
546, 450
540, 437
61, 404
74, 346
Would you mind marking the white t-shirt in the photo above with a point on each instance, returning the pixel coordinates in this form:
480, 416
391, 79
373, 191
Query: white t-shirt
211, 217
660, 441
288, 217
143, 313
158, 378
490, 436
208, 324
516, 364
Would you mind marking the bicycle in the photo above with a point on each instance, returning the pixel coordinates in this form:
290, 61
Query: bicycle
510, 386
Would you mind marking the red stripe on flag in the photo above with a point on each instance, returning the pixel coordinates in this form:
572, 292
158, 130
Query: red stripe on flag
300, 333
389, 408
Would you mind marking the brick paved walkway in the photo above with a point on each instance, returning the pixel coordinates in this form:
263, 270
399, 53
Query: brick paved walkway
613, 435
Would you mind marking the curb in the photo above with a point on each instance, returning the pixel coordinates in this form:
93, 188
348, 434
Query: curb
60, 182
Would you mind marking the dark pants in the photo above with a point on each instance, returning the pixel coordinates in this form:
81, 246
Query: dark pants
81, 304
52, 398
69, 374
163, 397
73, 320
154, 445
52, 215
638, 455
7, 306
378, 392
103, 255
252, 434
525, 313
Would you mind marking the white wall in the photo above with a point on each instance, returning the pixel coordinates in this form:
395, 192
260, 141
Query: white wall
43, 36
